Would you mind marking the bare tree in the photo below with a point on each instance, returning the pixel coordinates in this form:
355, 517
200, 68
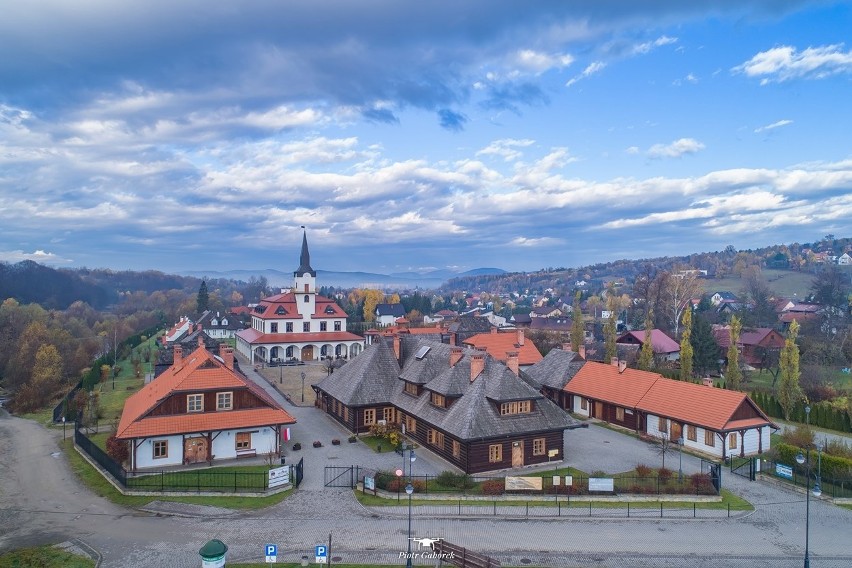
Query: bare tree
663, 446
679, 290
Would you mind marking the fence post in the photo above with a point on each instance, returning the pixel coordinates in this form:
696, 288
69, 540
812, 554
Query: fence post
162, 481
198, 481
559, 509
495, 507
235, 482
590, 508
729, 510
693, 510
459, 507
661, 509
628, 509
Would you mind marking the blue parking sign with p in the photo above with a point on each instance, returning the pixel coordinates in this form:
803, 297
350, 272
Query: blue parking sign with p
271, 553
321, 554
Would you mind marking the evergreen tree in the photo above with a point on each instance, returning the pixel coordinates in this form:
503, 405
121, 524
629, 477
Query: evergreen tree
578, 331
686, 346
705, 352
733, 374
789, 391
646, 354
202, 301
609, 331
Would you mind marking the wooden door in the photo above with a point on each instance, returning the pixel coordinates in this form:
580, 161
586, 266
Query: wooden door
195, 450
598, 410
675, 431
308, 353
517, 454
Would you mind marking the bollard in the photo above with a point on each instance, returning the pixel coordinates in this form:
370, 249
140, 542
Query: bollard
693, 510
628, 509
590, 508
459, 506
661, 509
528, 509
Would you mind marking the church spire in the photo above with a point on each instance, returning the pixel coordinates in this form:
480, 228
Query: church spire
305, 259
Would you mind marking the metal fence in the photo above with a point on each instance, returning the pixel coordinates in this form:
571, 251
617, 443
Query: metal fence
192, 480
833, 488
695, 484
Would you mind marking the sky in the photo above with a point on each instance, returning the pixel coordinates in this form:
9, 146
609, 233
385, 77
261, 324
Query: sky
188, 135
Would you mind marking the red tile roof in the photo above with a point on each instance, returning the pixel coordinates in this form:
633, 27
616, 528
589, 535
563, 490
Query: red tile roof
497, 344
660, 342
324, 307
253, 336
652, 393
199, 371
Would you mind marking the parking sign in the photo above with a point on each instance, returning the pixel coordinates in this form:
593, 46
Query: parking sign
321, 554
271, 553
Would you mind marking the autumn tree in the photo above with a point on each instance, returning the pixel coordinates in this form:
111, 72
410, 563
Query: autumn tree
789, 390
372, 298
578, 332
686, 346
678, 292
646, 353
733, 374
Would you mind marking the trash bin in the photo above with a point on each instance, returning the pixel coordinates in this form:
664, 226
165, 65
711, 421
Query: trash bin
213, 554
283, 460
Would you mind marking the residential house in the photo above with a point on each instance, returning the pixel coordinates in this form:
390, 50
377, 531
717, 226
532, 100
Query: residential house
177, 331
546, 312
187, 342
219, 325
520, 320
844, 259
466, 327
499, 343
664, 347
717, 422
555, 370
461, 404
754, 343
298, 324
202, 409
561, 324
387, 314
723, 295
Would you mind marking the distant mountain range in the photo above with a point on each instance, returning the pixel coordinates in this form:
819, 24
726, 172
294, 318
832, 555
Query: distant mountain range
405, 280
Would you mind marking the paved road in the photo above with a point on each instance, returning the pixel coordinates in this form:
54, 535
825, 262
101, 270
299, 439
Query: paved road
42, 502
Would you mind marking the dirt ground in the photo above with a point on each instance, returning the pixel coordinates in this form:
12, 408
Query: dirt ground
288, 379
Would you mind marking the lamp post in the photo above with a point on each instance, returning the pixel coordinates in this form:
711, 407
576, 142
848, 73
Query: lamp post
409, 489
303, 386
680, 459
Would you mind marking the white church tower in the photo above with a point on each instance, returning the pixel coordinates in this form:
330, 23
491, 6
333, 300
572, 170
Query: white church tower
305, 283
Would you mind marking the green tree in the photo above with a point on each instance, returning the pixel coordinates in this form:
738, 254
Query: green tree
733, 374
609, 330
789, 390
202, 301
705, 351
577, 328
686, 346
646, 354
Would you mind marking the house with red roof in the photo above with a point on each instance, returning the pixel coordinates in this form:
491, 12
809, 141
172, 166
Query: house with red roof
754, 342
298, 324
499, 343
663, 346
712, 421
202, 409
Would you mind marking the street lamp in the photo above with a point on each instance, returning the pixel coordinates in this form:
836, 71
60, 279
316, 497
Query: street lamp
409, 489
680, 459
817, 491
303, 386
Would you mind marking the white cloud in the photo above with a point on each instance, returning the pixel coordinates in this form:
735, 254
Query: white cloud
675, 149
506, 148
643, 48
784, 63
40, 256
538, 62
591, 69
632, 150
773, 126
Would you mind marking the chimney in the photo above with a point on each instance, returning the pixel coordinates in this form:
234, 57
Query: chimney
200, 340
227, 354
178, 356
707, 382
452, 338
493, 331
622, 365
582, 351
512, 362
455, 355
396, 349
613, 361
566, 346
199, 327
477, 365
520, 337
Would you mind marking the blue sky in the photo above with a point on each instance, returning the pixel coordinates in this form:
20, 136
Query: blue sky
190, 135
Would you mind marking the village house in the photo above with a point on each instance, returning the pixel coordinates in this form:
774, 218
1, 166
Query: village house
387, 314
754, 343
664, 347
201, 409
298, 324
499, 343
219, 325
461, 404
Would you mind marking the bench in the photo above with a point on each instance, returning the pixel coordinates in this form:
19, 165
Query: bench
249, 453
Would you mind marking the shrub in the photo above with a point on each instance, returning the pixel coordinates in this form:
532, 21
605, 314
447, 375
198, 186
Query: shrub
493, 487
117, 449
664, 474
643, 470
454, 480
801, 436
598, 473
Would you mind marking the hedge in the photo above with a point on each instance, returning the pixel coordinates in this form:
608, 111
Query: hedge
833, 468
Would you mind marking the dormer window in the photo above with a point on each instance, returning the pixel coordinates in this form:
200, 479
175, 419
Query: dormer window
195, 403
438, 400
329, 310
412, 389
281, 311
259, 309
214, 322
224, 401
517, 407
307, 299
224, 321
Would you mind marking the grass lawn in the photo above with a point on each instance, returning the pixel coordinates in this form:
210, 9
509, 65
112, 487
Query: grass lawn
97, 484
44, 556
784, 283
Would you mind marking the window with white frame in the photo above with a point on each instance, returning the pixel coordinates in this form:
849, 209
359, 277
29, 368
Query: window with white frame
195, 403
161, 449
224, 400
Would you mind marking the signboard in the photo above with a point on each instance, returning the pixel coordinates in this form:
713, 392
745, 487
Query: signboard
523, 483
321, 554
556, 479
569, 480
369, 483
279, 476
782, 470
271, 551
552, 453
601, 484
